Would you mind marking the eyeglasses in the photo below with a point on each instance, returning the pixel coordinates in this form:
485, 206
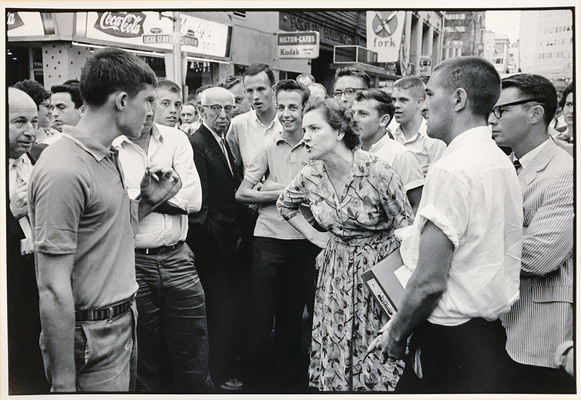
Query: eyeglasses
349, 92
498, 110
218, 108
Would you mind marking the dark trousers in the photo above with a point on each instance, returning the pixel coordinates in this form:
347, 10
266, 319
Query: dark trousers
25, 366
172, 325
282, 282
225, 280
468, 358
536, 380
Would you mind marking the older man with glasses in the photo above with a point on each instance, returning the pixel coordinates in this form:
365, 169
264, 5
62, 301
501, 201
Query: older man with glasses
215, 235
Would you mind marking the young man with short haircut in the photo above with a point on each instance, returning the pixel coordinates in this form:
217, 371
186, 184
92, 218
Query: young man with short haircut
66, 104
82, 222
372, 112
249, 131
283, 262
168, 103
408, 99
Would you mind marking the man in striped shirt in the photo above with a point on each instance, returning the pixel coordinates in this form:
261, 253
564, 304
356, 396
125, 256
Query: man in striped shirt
542, 318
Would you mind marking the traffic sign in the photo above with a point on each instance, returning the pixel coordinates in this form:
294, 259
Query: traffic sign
156, 38
190, 41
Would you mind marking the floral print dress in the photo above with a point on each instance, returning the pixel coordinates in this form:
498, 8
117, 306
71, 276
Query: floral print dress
362, 220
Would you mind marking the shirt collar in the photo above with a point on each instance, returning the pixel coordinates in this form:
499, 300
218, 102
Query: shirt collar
480, 133
278, 138
420, 133
155, 133
530, 156
86, 142
380, 143
15, 162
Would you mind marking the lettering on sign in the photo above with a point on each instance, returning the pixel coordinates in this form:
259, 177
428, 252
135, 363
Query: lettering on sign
121, 24
298, 45
13, 21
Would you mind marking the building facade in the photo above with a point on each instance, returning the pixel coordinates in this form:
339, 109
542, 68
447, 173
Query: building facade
464, 33
546, 43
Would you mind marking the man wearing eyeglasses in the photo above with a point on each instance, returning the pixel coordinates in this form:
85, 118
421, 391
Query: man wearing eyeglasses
215, 236
349, 81
542, 318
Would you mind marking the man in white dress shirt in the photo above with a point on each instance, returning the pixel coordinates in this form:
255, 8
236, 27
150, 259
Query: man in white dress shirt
408, 99
372, 112
170, 300
464, 247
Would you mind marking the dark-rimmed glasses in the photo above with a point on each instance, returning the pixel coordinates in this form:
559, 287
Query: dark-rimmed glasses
348, 92
218, 108
498, 110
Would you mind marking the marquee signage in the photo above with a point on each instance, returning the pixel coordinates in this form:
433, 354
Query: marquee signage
121, 24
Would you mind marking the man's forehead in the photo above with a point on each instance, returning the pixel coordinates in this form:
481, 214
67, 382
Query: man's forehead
61, 97
349, 81
508, 95
219, 98
163, 93
260, 79
365, 104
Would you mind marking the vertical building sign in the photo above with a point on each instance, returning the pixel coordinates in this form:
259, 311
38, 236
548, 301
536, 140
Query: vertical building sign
384, 32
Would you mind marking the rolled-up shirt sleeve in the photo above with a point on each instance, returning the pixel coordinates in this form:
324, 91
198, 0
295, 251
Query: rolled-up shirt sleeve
189, 197
292, 197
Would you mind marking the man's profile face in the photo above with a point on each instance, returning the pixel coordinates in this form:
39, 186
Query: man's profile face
138, 114
367, 118
168, 107
63, 110
22, 123
512, 127
437, 107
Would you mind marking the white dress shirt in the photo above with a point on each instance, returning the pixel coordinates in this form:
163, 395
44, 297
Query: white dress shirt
247, 134
18, 174
472, 194
402, 160
426, 149
168, 148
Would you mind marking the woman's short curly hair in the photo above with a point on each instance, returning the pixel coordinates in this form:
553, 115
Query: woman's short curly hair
339, 118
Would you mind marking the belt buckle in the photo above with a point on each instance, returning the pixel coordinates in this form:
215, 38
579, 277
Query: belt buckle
110, 312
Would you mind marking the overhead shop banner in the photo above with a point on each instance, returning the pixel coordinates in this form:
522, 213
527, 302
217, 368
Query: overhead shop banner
384, 31
298, 44
20, 24
136, 28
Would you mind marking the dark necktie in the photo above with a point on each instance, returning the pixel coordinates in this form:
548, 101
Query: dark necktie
517, 165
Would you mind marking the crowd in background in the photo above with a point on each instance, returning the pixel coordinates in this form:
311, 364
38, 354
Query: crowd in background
216, 244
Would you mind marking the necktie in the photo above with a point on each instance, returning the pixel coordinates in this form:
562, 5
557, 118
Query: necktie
223, 147
517, 165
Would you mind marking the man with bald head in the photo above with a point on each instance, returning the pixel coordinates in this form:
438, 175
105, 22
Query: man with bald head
24, 359
215, 232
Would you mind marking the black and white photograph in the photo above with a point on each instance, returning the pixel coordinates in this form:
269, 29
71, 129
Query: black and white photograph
289, 200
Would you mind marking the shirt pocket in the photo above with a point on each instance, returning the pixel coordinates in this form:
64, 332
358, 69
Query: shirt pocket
552, 294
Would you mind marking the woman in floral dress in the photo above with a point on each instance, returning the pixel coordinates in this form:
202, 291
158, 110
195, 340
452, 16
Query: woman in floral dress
360, 201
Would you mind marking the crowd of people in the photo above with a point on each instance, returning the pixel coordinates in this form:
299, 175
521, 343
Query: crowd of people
217, 244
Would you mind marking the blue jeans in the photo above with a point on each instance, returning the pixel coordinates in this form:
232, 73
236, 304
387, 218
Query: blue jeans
172, 327
105, 354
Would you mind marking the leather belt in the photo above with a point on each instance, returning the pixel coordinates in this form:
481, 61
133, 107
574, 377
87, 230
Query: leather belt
104, 313
160, 249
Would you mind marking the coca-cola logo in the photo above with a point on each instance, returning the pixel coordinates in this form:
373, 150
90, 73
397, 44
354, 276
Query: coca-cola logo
13, 21
121, 24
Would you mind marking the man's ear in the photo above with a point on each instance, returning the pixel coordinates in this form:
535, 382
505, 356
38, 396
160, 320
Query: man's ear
384, 120
460, 98
120, 100
536, 114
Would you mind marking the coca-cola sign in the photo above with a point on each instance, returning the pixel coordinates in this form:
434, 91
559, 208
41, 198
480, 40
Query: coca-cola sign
121, 24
